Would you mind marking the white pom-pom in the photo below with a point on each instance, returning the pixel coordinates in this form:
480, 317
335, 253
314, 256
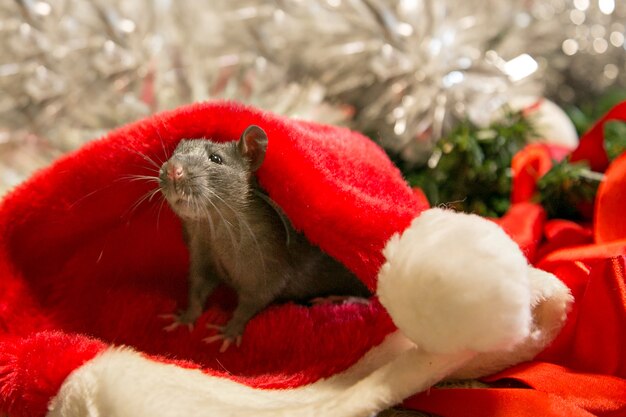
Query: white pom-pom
551, 123
456, 282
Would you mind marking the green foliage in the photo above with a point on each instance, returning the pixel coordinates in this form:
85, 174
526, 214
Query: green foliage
566, 188
569, 187
470, 168
585, 115
614, 138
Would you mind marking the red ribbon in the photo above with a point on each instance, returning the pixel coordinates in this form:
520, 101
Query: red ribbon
583, 372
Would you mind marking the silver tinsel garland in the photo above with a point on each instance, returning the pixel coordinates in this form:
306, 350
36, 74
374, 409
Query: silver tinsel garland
402, 71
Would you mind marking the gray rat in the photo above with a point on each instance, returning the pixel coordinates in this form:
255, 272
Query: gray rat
237, 235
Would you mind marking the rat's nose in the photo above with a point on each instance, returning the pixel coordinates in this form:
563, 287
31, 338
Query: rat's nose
174, 170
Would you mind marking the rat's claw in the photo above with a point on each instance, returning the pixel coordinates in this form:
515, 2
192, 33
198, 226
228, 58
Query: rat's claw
176, 324
214, 326
229, 341
213, 338
177, 321
225, 345
171, 327
226, 341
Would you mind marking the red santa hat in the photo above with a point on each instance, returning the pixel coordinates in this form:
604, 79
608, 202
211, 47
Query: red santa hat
88, 266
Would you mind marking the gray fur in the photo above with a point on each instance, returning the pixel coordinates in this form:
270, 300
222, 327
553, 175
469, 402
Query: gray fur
236, 235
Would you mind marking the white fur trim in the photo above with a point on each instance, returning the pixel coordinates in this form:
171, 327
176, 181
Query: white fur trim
551, 301
455, 282
551, 123
120, 382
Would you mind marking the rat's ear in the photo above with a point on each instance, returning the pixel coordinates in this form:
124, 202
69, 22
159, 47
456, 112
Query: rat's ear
252, 145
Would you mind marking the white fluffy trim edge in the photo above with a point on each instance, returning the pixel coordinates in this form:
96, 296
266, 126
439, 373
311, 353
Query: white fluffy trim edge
475, 307
455, 282
121, 382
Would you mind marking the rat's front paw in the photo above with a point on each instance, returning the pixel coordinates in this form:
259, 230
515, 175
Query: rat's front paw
228, 334
185, 318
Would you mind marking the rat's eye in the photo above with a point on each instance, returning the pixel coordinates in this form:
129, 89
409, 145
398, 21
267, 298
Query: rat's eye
215, 158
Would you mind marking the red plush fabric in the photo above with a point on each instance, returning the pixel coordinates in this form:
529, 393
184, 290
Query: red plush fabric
82, 257
32, 367
82, 269
583, 372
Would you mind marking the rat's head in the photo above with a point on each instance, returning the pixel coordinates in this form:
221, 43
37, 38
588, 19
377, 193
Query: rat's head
202, 176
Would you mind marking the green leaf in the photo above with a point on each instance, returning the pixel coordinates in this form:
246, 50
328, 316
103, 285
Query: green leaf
472, 172
586, 114
614, 138
566, 187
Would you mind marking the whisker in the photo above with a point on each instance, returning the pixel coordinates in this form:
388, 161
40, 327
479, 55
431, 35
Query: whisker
159, 212
145, 157
198, 176
160, 119
147, 196
134, 178
241, 220
154, 192
81, 199
208, 216
219, 212
202, 204
147, 168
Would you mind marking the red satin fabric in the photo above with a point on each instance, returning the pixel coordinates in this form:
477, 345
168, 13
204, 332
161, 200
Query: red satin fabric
594, 339
527, 167
611, 204
595, 393
591, 146
545, 390
494, 402
583, 372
